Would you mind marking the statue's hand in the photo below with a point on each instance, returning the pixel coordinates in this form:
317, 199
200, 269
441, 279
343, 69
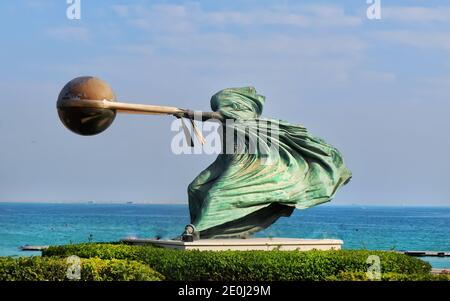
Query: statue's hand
179, 115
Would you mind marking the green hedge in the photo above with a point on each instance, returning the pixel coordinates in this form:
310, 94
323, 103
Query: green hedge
361, 276
55, 269
251, 265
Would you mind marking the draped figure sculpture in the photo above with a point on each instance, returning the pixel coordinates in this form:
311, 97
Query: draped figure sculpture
246, 191
273, 166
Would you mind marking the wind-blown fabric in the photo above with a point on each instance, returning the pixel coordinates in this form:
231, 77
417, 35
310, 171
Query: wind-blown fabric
244, 192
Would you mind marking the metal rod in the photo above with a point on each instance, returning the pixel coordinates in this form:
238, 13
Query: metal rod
127, 108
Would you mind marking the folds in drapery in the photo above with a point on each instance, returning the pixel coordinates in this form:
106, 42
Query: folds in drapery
244, 192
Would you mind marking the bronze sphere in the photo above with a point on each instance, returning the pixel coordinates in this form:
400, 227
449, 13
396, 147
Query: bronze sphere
84, 120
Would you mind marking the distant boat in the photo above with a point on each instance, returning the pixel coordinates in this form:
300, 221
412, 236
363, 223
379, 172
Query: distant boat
90, 202
33, 248
129, 202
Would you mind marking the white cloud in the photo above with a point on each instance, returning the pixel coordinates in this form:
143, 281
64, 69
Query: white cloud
317, 16
378, 77
442, 82
157, 18
417, 14
230, 42
270, 45
193, 16
139, 49
69, 33
121, 10
423, 27
419, 39
331, 16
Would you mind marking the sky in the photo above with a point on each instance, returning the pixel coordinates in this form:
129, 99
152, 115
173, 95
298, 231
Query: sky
377, 89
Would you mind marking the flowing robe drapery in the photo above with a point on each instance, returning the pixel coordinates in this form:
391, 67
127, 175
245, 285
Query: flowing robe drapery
247, 190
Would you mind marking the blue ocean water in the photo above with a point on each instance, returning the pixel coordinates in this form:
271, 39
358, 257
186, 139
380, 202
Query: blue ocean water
380, 228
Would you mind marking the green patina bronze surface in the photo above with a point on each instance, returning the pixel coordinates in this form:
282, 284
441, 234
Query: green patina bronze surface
241, 193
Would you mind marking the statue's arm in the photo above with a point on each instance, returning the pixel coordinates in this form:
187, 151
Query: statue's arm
203, 116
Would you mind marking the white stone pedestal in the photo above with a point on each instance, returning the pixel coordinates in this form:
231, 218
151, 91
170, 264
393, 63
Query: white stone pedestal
266, 244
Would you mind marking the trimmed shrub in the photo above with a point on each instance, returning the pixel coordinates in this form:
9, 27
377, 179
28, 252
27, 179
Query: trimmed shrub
361, 276
249, 265
55, 269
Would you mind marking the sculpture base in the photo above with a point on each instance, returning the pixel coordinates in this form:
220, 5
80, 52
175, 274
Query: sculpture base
265, 244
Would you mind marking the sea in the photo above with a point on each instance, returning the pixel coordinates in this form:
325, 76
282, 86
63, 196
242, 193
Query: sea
360, 227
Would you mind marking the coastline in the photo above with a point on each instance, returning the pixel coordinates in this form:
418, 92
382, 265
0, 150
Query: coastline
360, 227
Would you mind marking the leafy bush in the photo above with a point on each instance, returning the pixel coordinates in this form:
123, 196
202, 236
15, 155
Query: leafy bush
361, 276
55, 269
249, 265
414, 277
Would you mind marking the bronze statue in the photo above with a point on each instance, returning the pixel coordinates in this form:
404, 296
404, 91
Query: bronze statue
239, 193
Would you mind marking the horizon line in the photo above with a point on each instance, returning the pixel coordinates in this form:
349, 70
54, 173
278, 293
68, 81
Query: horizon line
186, 203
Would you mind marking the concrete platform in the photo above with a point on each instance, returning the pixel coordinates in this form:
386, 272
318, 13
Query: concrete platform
440, 271
266, 244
